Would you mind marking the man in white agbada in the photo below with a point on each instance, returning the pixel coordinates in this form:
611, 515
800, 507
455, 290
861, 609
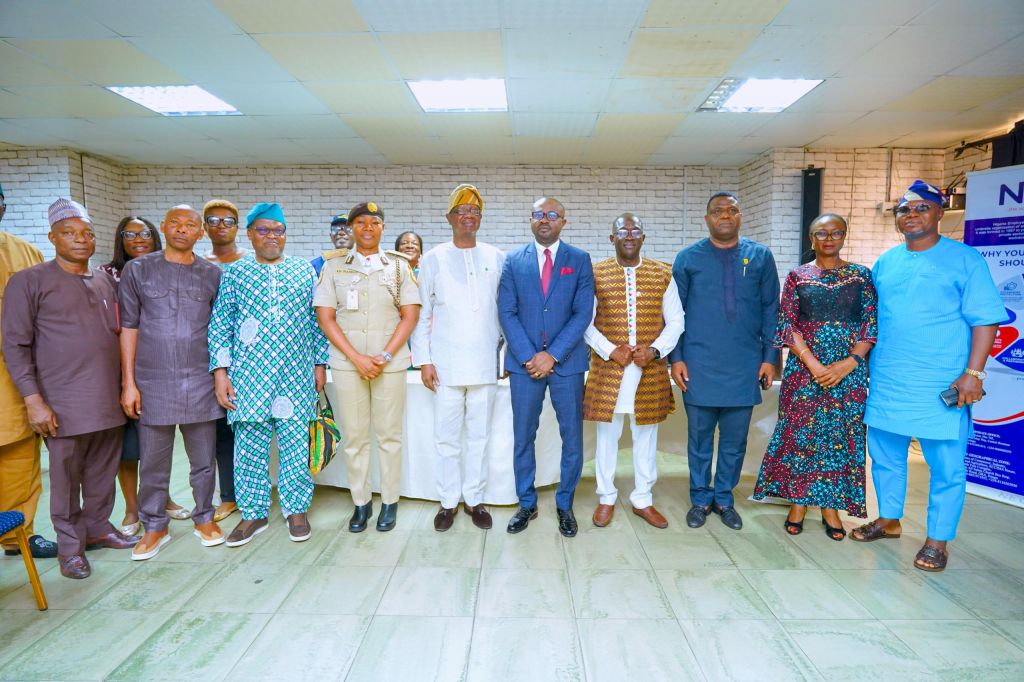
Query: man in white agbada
637, 321
455, 344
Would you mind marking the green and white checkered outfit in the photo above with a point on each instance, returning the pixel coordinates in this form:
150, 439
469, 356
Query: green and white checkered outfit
264, 331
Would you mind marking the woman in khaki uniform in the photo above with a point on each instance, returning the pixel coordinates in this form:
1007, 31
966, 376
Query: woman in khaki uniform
367, 304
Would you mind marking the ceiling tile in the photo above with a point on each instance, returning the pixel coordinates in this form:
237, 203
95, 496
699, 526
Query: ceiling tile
862, 141
560, 95
663, 95
81, 101
856, 94
201, 59
366, 97
702, 124
549, 150
795, 52
675, 14
575, 53
163, 128
224, 127
956, 93
575, 13
938, 139
891, 124
679, 159
19, 68
553, 125
713, 145
1005, 60
326, 58
638, 125
152, 18
294, 16
788, 129
731, 160
461, 55
982, 120
470, 146
383, 126
1012, 103
268, 99
973, 13
927, 50
491, 124
415, 15
104, 62
817, 13
34, 20
299, 128
619, 151
710, 53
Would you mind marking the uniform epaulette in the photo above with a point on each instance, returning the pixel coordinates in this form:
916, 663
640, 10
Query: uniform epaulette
399, 254
334, 253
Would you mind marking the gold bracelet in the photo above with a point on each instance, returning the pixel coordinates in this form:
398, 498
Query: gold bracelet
800, 355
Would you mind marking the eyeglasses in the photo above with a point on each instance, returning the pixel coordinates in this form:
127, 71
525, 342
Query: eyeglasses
550, 215
470, 210
132, 234
906, 209
635, 232
214, 221
272, 231
89, 235
338, 229
822, 235
719, 212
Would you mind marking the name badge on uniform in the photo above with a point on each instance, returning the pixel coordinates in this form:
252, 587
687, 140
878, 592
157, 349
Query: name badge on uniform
352, 300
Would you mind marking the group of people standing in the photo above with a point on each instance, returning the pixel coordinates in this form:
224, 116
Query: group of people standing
232, 350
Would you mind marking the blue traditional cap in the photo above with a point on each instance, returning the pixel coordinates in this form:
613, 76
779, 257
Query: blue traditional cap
265, 210
1, 190
341, 219
922, 191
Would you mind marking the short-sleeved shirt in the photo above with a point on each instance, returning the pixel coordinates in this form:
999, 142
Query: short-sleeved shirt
170, 305
928, 301
367, 293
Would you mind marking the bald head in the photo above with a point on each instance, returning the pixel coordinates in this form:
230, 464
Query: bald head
182, 227
184, 208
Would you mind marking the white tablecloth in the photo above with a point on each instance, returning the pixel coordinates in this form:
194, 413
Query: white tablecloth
419, 480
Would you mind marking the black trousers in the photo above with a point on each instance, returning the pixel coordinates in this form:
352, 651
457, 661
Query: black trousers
226, 460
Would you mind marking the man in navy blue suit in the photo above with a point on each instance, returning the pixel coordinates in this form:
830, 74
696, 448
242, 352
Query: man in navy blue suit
545, 303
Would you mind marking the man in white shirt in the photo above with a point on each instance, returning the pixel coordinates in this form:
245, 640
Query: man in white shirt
637, 320
455, 344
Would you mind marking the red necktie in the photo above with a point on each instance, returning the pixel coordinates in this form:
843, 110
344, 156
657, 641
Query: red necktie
545, 273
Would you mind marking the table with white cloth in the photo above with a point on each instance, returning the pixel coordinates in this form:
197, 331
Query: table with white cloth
419, 479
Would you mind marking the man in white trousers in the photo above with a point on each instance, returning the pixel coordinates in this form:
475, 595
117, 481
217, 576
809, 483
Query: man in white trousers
637, 321
455, 345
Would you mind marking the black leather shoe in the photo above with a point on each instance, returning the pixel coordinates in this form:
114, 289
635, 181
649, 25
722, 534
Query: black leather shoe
38, 546
444, 518
387, 517
697, 515
567, 523
362, 514
730, 516
521, 519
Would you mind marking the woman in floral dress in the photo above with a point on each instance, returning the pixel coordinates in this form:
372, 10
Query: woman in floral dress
828, 320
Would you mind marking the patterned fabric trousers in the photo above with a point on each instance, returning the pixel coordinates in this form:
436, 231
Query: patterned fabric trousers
252, 467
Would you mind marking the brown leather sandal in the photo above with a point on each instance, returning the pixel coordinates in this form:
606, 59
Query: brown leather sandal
870, 532
934, 556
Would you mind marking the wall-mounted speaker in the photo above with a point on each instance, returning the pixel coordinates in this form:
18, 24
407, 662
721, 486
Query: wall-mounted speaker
810, 207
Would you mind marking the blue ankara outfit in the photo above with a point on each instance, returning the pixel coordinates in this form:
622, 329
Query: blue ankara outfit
731, 298
928, 301
264, 331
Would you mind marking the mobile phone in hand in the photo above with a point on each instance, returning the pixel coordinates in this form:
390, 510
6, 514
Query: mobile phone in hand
765, 383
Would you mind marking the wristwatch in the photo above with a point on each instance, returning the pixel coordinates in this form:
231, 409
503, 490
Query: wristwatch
978, 374
387, 356
657, 353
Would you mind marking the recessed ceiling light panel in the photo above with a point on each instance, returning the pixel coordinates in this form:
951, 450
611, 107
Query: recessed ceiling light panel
176, 100
757, 95
474, 94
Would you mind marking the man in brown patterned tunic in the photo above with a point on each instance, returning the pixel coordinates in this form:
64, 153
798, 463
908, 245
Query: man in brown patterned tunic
637, 320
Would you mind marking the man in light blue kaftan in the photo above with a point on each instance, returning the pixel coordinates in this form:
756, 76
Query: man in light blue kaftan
938, 312
269, 360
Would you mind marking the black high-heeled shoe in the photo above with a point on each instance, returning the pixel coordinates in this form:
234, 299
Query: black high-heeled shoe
836, 534
794, 527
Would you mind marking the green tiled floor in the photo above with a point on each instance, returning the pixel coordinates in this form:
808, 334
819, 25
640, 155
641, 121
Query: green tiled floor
620, 603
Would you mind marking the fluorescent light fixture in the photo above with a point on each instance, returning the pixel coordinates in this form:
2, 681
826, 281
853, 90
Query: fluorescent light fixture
473, 94
757, 95
176, 100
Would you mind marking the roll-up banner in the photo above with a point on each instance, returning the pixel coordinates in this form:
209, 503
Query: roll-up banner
994, 225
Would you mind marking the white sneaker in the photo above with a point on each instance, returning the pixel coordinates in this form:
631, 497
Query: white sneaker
139, 553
